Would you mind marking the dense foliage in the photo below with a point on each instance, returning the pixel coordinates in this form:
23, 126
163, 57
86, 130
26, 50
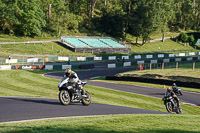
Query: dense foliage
118, 18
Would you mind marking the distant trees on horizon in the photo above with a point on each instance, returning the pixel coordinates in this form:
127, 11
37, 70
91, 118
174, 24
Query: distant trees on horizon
117, 18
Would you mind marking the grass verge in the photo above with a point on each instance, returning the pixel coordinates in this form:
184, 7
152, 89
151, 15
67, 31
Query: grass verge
38, 49
56, 49
158, 46
110, 124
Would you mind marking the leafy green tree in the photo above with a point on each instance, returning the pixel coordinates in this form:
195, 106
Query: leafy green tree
31, 17
112, 24
145, 18
196, 14
61, 20
191, 39
134, 28
78, 7
183, 37
165, 14
187, 12
8, 11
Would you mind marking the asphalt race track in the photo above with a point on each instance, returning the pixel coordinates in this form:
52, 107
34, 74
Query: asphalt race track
17, 109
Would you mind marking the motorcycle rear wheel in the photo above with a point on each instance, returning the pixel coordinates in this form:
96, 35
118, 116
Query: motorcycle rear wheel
64, 97
86, 100
168, 107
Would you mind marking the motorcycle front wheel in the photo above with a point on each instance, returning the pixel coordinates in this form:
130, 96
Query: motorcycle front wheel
64, 97
168, 106
86, 100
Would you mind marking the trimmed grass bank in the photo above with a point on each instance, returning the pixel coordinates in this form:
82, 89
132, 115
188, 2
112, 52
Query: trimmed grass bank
110, 124
38, 49
181, 74
56, 49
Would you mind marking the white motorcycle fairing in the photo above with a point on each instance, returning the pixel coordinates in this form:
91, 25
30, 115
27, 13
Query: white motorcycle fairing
62, 82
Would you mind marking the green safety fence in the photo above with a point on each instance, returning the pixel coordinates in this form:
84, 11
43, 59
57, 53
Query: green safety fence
75, 67
89, 58
52, 57
57, 67
73, 58
104, 57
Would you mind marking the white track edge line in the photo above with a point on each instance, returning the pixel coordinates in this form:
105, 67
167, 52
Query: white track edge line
52, 118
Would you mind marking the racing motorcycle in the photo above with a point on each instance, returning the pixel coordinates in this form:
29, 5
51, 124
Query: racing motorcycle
171, 104
177, 91
73, 93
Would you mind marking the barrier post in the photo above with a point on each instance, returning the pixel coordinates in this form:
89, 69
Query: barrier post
163, 66
176, 66
193, 66
150, 66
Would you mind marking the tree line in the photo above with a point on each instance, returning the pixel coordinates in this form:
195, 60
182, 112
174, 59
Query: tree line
116, 18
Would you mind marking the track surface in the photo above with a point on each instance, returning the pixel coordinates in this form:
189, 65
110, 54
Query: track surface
16, 109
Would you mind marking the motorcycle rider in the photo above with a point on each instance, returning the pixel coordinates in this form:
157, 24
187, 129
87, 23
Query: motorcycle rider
173, 95
73, 79
174, 87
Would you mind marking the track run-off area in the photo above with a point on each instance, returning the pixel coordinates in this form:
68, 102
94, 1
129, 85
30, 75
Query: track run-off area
24, 109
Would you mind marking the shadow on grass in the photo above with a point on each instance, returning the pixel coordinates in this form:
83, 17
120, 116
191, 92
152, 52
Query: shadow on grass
90, 129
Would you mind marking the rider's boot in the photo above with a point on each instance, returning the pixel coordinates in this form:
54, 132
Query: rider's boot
83, 93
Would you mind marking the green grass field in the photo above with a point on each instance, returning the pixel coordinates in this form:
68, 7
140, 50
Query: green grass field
10, 38
38, 49
56, 49
143, 123
162, 47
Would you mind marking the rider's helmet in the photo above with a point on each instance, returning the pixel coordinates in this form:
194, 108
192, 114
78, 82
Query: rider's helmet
169, 89
68, 72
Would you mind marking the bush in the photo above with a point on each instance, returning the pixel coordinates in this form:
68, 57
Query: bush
184, 37
191, 38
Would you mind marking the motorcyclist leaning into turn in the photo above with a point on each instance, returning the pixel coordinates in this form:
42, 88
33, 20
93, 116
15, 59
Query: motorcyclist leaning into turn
73, 79
174, 87
173, 95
